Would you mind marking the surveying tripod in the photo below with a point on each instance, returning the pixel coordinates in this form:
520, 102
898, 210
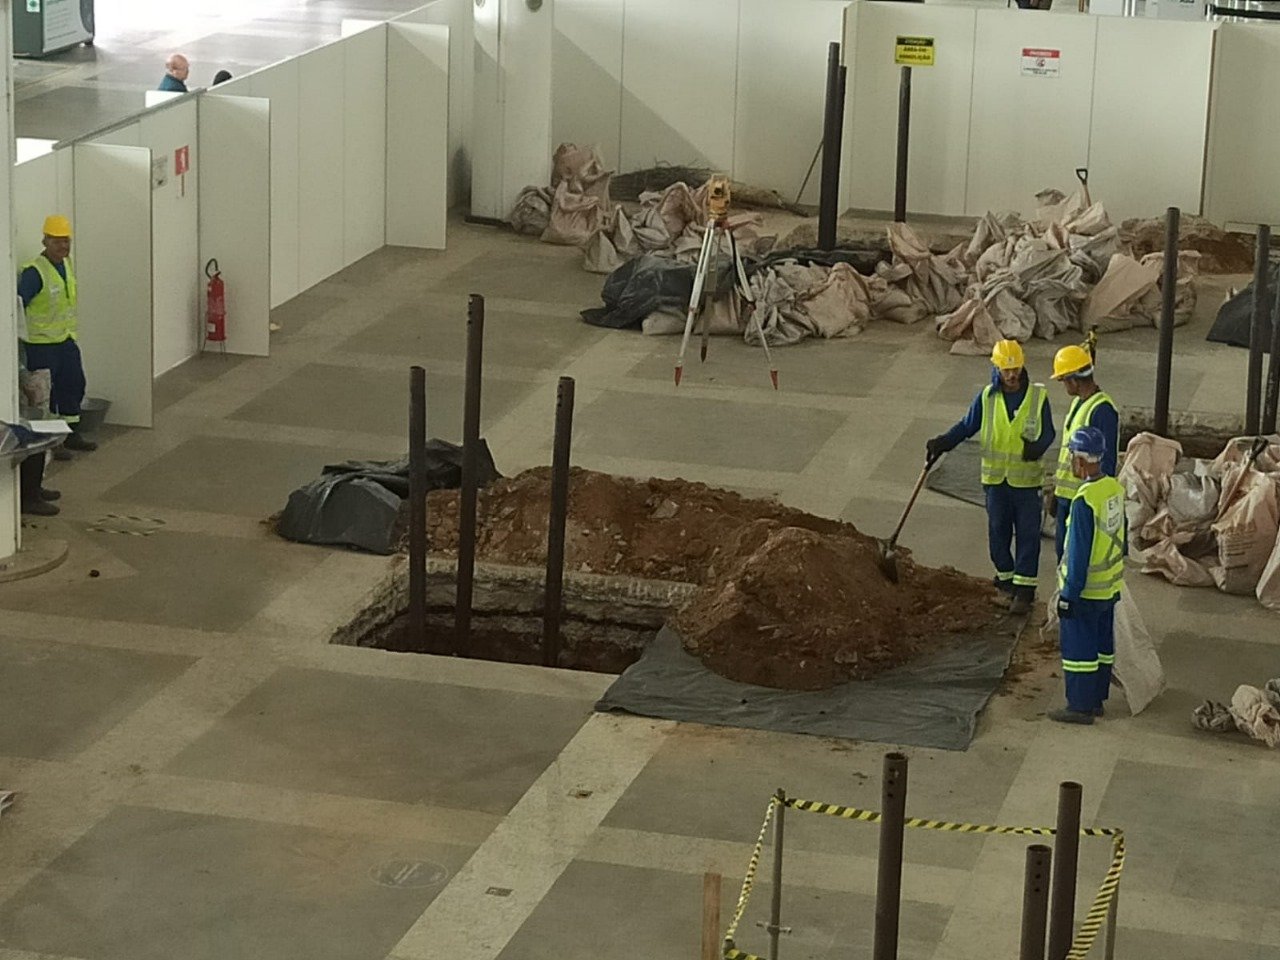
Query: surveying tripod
718, 232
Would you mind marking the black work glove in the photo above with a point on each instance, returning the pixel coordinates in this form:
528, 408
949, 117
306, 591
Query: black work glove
1066, 609
935, 447
1028, 453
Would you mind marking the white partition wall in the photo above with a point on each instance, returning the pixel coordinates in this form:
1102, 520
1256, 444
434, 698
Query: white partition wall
321, 138
586, 75
235, 214
9, 516
417, 135
114, 271
40, 187
364, 101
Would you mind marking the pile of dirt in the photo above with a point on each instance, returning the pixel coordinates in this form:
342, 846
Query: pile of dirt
786, 599
1220, 251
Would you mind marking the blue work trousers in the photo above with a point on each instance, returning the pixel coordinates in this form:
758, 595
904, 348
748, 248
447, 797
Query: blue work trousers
66, 375
1013, 536
1088, 653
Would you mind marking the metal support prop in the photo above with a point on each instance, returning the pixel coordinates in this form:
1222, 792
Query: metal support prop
711, 884
775, 910
893, 806
1164, 359
1066, 852
904, 136
553, 595
464, 591
417, 636
1113, 911
1035, 901
829, 184
1272, 399
1258, 330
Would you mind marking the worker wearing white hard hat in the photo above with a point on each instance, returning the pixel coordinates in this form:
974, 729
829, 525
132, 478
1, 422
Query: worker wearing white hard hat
1016, 425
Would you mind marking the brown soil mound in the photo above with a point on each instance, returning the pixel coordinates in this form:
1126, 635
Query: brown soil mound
787, 599
1220, 252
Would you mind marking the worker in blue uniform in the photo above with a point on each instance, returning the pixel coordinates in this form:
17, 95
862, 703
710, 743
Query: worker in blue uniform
1090, 407
1090, 580
1012, 414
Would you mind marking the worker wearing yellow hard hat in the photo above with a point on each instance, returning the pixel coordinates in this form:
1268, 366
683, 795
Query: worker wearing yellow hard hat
47, 288
1090, 407
1012, 416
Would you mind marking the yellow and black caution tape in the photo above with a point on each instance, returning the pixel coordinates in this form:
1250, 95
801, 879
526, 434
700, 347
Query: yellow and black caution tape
1080, 945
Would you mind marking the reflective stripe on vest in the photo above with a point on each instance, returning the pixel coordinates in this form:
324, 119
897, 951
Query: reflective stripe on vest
51, 314
1105, 497
1002, 438
1065, 484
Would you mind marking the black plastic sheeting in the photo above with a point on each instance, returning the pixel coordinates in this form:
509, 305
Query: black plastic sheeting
959, 474
934, 702
1235, 317
649, 283
356, 503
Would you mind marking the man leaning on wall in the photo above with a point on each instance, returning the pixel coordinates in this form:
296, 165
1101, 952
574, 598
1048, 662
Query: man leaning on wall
47, 288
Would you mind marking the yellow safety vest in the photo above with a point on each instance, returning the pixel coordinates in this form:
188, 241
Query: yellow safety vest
51, 314
1002, 438
1065, 484
1105, 497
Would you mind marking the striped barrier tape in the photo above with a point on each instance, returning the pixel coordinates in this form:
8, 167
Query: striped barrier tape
1080, 945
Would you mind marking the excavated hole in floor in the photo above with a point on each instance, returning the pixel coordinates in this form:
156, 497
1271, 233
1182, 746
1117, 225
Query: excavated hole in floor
608, 621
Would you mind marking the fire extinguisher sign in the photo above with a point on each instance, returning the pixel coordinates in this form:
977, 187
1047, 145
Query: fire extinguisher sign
1041, 62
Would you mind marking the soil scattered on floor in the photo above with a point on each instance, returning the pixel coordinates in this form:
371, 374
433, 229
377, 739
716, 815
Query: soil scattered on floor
1220, 251
786, 599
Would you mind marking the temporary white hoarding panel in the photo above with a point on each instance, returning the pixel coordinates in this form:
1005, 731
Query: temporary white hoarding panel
365, 142
113, 271
321, 145
586, 75
417, 135
235, 219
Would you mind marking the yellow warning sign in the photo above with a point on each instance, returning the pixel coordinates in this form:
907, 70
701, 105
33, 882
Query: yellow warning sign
913, 52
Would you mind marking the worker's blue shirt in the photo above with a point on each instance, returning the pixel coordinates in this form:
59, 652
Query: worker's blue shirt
1079, 547
971, 423
172, 85
30, 283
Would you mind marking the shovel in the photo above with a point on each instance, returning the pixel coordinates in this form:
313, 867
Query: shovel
889, 548
1082, 174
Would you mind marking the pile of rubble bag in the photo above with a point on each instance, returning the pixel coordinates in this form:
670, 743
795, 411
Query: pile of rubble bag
1066, 268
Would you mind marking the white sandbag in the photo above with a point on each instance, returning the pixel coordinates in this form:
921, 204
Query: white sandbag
1248, 520
574, 217
1268, 590
1137, 669
1255, 715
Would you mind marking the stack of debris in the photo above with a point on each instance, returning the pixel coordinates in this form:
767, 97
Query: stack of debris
1253, 711
1202, 523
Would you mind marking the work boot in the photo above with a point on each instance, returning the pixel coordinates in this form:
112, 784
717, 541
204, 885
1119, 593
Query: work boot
61, 453
1020, 605
39, 508
1067, 715
49, 495
78, 442
1099, 711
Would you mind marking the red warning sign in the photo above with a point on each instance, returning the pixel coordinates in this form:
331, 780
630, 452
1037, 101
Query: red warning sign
1038, 62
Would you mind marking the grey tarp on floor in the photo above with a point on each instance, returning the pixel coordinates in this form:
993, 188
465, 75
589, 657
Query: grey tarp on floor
932, 703
959, 474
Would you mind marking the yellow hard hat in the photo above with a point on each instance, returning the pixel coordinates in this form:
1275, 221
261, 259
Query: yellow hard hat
1071, 360
1007, 355
57, 226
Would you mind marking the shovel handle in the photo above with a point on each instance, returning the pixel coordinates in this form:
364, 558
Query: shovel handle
928, 465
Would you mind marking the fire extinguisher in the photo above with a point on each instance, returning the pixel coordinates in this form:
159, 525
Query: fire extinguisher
216, 313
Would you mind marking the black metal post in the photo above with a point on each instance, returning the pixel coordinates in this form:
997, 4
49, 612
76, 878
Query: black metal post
1113, 910
1066, 851
904, 137
1164, 359
893, 814
417, 636
1273, 371
465, 587
553, 595
1035, 902
775, 910
1258, 330
833, 120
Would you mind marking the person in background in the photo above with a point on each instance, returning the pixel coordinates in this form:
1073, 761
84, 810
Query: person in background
222, 76
47, 288
176, 71
1016, 425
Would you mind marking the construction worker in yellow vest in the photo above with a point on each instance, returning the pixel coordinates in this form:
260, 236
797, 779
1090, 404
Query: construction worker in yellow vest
1090, 579
1090, 407
47, 288
1016, 425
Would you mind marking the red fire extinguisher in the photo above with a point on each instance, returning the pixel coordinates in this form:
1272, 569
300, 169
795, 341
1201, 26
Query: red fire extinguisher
216, 312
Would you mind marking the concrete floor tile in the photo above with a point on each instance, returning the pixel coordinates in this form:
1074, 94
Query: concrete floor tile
362, 400
386, 739
293, 316
182, 381
59, 698
510, 338
757, 436
149, 884
538, 275
1155, 945
849, 367
170, 579
246, 478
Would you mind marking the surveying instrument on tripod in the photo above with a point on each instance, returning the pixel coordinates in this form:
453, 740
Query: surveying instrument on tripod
717, 234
